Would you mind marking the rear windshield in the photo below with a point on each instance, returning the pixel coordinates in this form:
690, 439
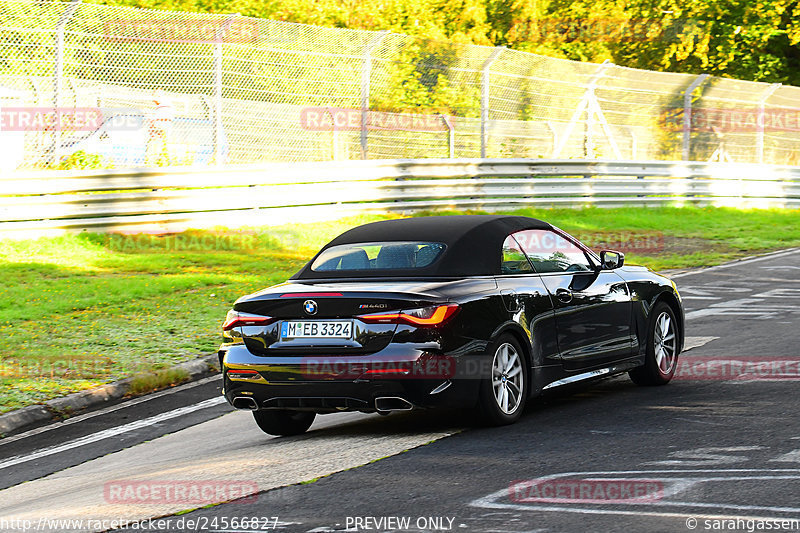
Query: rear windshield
378, 256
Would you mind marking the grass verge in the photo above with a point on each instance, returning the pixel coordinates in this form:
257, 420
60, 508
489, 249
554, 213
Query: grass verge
81, 310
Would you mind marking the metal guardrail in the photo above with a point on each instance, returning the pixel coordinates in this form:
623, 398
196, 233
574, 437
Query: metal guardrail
173, 199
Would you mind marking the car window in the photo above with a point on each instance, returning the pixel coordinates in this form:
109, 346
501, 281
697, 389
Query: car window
514, 260
378, 256
550, 252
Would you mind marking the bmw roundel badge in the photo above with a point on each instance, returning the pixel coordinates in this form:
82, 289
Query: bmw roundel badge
310, 307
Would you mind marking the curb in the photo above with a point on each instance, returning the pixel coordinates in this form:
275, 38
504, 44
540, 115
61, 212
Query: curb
58, 408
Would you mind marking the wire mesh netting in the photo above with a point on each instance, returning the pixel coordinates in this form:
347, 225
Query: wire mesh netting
125, 87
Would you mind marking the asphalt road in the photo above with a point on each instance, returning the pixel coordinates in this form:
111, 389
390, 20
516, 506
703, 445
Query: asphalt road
717, 449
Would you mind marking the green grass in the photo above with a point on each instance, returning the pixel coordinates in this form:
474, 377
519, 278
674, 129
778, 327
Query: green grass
149, 381
80, 310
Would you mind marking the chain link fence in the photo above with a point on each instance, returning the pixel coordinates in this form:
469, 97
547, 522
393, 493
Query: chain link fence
126, 87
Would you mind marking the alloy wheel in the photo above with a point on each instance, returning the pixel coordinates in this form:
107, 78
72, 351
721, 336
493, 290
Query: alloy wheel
507, 378
664, 343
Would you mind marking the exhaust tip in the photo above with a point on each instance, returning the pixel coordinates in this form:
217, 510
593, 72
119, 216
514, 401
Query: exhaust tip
245, 402
392, 403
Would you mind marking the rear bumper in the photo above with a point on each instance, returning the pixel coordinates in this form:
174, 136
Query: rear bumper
348, 383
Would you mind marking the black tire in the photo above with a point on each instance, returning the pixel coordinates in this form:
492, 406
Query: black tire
284, 423
490, 405
659, 370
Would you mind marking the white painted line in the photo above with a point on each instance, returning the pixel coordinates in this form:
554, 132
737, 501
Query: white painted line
110, 432
791, 457
707, 456
111, 409
579, 510
696, 342
491, 501
761, 314
745, 261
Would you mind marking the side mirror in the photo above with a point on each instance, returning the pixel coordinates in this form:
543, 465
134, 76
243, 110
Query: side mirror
611, 259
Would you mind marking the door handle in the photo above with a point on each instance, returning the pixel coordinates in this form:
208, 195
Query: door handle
564, 296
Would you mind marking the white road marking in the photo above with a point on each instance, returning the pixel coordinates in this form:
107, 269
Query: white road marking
786, 292
718, 293
728, 311
110, 432
755, 306
708, 456
696, 342
496, 499
746, 261
791, 457
712, 290
111, 409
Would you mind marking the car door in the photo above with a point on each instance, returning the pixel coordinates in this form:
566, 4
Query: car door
592, 306
526, 297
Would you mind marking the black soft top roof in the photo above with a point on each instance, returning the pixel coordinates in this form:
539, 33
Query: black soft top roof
474, 244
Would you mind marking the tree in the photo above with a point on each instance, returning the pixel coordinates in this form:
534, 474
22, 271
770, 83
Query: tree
733, 38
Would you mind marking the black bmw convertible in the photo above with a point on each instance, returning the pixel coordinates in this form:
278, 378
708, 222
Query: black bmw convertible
479, 312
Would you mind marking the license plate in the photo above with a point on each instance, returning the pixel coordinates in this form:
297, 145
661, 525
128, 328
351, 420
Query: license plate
342, 329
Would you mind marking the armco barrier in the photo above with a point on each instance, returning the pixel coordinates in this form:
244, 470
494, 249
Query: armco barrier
169, 199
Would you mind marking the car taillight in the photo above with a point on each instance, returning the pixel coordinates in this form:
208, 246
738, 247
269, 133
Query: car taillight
243, 374
234, 319
424, 316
